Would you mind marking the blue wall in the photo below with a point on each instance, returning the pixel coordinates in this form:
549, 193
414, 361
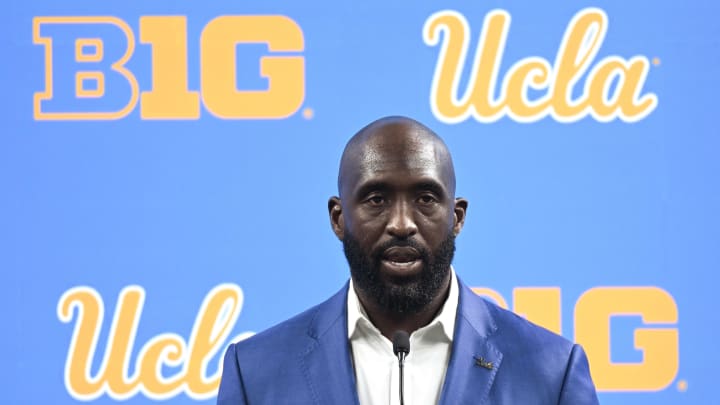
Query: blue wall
205, 205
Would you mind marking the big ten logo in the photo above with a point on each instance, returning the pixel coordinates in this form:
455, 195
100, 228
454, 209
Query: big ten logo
532, 88
88, 77
594, 310
168, 351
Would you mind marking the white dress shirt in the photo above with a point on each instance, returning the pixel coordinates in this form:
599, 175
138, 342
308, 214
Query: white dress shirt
376, 367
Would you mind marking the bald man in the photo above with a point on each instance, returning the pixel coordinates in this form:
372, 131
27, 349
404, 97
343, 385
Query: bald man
397, 217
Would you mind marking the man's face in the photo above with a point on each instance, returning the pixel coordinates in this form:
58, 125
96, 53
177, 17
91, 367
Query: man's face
398, 222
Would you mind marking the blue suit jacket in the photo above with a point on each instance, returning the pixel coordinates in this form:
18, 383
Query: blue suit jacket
307, 360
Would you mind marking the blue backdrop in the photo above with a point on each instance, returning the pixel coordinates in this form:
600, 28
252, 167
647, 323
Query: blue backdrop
165, 169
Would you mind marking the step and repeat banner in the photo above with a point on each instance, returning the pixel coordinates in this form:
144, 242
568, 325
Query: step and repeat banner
166, 165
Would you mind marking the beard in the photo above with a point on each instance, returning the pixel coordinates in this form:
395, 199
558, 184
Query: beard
400, 295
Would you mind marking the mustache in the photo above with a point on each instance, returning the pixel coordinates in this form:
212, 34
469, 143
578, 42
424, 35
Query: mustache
397, 242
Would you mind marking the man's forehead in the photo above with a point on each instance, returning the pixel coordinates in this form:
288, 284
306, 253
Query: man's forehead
395, 144
410, 153
416, 160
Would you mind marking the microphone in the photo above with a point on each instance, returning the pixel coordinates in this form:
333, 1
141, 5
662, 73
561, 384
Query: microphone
401, 347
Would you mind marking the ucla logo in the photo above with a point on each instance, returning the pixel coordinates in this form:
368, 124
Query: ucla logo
575, 59
122, 377
88, 77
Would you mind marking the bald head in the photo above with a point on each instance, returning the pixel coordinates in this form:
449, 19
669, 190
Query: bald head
393, 142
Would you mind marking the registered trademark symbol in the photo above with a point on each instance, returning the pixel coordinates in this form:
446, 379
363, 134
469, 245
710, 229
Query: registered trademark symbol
308, 113
656, 61
682, 385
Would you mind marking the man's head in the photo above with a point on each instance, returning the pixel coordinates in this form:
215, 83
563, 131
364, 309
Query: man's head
397, 214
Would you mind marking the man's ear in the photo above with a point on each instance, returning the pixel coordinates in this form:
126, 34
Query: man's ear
460, 210
336, 217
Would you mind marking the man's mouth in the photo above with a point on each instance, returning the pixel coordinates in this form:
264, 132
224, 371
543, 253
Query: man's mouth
401, 258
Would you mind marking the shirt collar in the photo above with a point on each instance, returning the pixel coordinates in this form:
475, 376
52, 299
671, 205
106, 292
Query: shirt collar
445, 318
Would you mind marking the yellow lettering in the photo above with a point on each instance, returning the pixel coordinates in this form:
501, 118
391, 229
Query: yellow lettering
166, 349
82, 80
581, 42
659, 345
83, 77
529, 72
478, 97
212, 327
170, 97
625, 102
492, 294
121, 339
286, 74
579, 46
540, 305
90, 311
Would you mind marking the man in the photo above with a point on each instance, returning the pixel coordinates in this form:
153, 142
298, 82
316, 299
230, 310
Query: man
397, 217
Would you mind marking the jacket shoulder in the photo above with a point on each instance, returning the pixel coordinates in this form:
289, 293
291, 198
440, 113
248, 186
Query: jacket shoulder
295, 332
525, 345
525, 336
544, 364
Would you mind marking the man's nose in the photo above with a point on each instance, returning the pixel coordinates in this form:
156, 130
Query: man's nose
401, 223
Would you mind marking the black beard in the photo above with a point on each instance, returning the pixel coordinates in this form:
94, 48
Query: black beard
406, 295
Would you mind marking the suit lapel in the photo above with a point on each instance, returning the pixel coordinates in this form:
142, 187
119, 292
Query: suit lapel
474, 361
326, 361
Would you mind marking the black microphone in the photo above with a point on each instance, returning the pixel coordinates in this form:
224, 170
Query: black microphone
401, 347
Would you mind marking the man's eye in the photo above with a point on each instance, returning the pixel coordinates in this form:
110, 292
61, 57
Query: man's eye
427, 199
376, 200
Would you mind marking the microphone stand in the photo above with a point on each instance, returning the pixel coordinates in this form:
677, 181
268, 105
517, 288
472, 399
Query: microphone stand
401, 347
